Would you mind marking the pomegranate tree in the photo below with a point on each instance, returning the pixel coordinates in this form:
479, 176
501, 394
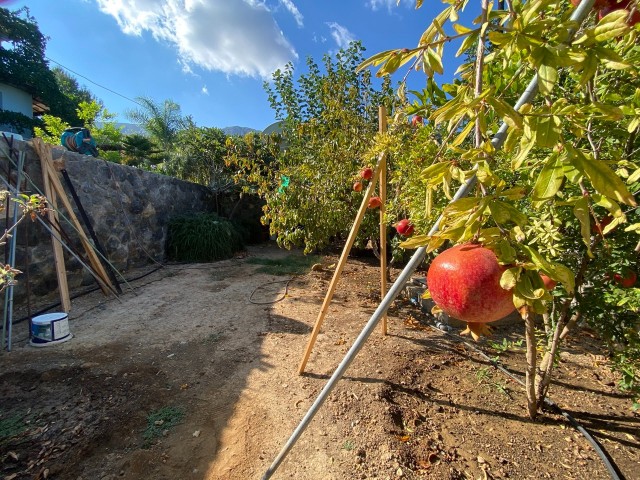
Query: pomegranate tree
568, 157
464, 281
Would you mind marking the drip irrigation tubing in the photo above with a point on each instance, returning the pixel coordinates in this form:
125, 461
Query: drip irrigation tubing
93, 289
284, 295
80, 294
610, 465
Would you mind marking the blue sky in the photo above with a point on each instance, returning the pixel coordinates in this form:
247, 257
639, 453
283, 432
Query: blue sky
212, 56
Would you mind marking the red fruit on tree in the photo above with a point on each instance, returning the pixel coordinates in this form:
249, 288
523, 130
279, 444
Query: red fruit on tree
366, 173
464, 281
416, 121
626, 280
549, 283
357, 186
404, 227
375, 202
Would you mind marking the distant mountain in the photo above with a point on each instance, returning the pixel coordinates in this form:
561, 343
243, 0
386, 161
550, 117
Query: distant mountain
131, 128
241, 131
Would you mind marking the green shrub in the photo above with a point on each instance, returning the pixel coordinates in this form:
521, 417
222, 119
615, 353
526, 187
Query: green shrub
160, 421
202, 237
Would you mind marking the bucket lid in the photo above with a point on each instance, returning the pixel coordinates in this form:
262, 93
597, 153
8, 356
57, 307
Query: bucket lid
49, 317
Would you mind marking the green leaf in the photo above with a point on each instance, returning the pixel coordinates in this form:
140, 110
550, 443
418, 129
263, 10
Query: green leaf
463, 134
433, 174
461, 205
612, 26
603, 179
550, 179
555, 270
513, 193
547, 76
468, 42
607, 203
435, 61
548, 129
634, 177
503, 212
509, 277
415, 241
504, 251
582, 213
525, 289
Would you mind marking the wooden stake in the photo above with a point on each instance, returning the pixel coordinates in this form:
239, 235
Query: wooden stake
382, 122
58, 254
341, 263
47, 167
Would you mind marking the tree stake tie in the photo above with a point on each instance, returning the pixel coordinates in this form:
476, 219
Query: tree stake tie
497, 141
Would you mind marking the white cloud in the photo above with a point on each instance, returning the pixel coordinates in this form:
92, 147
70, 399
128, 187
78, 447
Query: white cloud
236, 37
205, 90
377, 4
340, 34
289, 5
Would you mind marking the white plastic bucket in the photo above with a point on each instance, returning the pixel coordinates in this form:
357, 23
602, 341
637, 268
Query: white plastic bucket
50, 328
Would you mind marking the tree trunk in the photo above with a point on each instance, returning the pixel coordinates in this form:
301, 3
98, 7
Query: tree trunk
530, 335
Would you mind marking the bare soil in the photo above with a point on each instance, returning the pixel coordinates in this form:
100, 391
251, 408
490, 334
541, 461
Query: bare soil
220, 345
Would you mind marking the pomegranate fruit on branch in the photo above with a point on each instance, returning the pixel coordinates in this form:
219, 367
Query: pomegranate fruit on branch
464, 282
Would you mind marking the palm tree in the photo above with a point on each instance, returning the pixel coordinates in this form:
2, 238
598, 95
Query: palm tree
162, 121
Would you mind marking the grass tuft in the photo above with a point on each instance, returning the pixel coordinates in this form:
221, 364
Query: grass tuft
11, 426
161, 420
289, 265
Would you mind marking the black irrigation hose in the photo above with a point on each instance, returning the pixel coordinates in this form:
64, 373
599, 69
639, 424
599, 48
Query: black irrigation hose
284, 295
80, 294
610, 465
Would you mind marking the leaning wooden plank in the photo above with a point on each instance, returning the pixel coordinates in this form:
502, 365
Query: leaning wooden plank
45, 157
58, 254
382, 189
341, 263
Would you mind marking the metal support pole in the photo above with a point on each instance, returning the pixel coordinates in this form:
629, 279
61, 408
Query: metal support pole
7, 320
578, 16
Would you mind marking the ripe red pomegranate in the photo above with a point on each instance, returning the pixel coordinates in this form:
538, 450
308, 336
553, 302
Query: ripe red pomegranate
375, 202
366, 173
464, 281
404, 227
357, 187
626, 280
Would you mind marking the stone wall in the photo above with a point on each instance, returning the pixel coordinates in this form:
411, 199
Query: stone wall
128, 208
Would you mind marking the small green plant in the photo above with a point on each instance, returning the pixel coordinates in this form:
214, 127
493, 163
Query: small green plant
289, 265
483, 374
11, 426
202, 237
213, 337
160, 421
348, 445
506, 345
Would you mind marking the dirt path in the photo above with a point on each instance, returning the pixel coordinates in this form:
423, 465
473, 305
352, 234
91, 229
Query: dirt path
207, 347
